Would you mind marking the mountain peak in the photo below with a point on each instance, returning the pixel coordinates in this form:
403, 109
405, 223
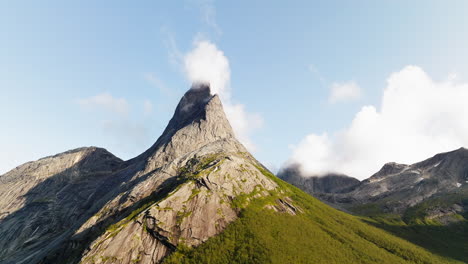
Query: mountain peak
461, 150
196, 96
389, 168
191, 106
198, 107
196, 182
198, 120
201, 86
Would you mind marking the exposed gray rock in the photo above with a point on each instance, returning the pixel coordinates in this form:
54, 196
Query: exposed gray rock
195, 211
403, 186
445, 215
88, 206
42, 201
397, 187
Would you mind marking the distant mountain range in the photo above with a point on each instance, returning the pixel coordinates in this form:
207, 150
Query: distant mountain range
330, 183
395, 187
433, 192
195, 196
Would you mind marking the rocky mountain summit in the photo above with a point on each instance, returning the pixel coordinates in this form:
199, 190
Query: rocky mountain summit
397, 187
195, 196
88, 206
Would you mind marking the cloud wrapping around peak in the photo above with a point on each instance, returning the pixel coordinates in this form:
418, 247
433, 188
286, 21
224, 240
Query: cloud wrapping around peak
418, 118
205, 63
347, 91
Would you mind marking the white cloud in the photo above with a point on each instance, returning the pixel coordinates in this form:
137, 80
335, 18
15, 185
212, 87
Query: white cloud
147, 107
418, 118
107, 102
346, 91
206, 63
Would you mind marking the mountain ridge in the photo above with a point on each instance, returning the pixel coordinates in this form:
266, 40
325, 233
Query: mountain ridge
197, 139
425, 202
448, 169
196, 184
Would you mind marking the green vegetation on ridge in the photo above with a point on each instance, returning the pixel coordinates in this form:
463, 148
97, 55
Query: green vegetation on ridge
319, 234
416, 225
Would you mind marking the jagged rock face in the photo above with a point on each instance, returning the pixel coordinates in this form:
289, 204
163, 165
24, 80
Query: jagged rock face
71, 166
104, 210
330, 183
199, 119
408, 185
41, 201
397, 187
196, 210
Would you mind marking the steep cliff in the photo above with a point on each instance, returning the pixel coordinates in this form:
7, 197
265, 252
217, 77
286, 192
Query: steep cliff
195, 196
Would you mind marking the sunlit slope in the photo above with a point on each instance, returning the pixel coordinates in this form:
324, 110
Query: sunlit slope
317, 234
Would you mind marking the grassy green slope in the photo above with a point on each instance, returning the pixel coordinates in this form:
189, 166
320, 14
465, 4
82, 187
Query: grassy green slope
450, 241
320, 234
415, 225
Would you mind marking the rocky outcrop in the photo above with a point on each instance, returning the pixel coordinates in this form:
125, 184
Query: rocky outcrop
88, 206
441, 182
41, 201
403, 186
197, 209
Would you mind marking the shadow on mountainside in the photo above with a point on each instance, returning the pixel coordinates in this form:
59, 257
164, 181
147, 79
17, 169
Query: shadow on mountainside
448, 241
43, 229
56, 208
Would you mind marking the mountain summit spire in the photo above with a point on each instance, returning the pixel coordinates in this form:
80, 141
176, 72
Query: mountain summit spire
192, 104
88, 206
198, 120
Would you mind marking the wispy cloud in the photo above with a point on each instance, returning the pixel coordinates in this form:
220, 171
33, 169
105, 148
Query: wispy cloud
155, 81
107, 102
174, 53
342, 92
147, 107
317, 74
208, 14
339, 91
129, 134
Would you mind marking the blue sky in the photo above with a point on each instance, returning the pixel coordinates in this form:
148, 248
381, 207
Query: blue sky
284, 60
